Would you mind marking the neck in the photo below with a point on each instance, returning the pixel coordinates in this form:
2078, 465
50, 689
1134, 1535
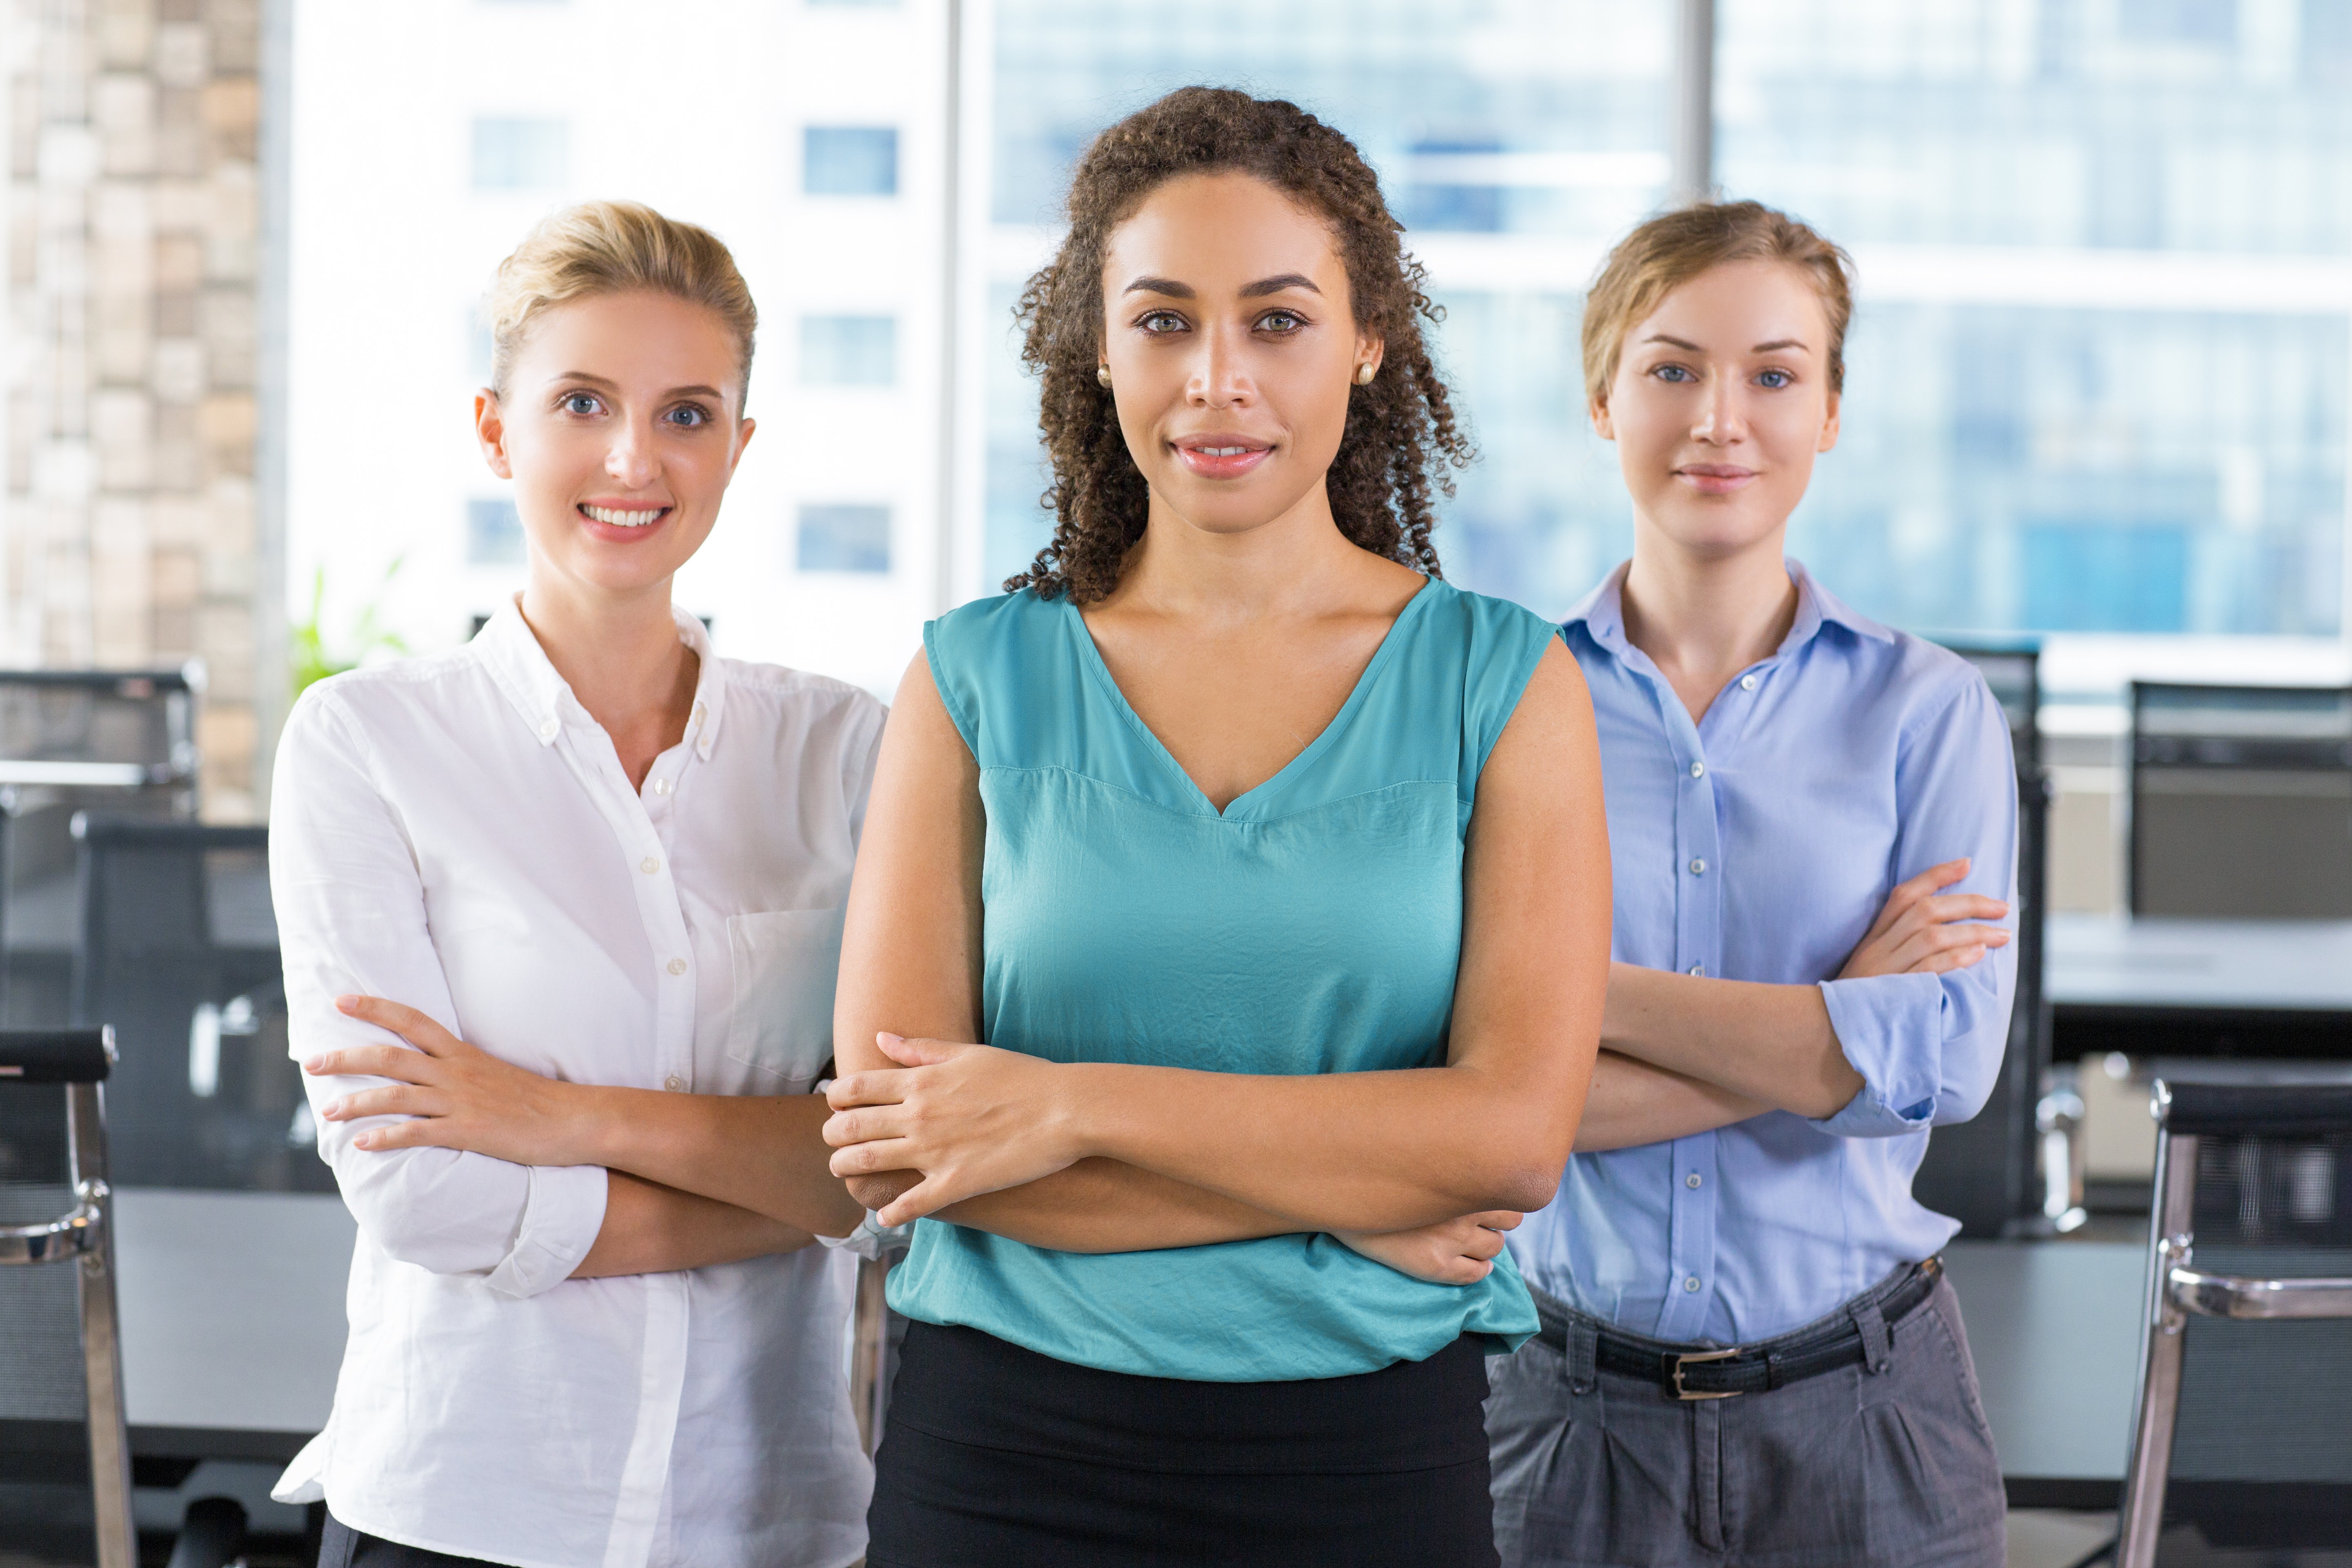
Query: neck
619, 652
1286, 565
1703, 618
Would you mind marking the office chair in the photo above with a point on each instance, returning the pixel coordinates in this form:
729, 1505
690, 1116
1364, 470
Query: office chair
60, 1348
178, 950
1983, 1172
2242, 802
115, 741
2239, 1452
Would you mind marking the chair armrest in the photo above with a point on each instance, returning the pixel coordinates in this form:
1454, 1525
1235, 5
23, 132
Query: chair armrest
2234, 1296
75, 1234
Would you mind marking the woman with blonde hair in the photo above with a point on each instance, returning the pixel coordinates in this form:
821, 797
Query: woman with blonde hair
607, 857
1748, 1351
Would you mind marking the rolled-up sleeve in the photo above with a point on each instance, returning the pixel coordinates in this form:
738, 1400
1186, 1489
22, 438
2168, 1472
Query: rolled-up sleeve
352, 920
1928, 1046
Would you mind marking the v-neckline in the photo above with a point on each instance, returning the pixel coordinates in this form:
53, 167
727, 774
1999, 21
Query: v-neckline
1100, 668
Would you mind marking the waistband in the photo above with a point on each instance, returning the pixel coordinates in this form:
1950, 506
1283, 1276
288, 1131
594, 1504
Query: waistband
1856, 1334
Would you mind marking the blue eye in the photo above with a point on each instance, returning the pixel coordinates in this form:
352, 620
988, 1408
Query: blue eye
1775, 379
580, 402
690, 415
1673, 372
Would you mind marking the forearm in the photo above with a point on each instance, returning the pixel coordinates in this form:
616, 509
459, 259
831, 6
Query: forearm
1632, 1103
759, 1152
1366, 1151
652, 1229
1771, 1044
1095, 1205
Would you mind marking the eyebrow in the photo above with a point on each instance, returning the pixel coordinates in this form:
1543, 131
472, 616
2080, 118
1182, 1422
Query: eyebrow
1264, 286
696, 390
1775, 346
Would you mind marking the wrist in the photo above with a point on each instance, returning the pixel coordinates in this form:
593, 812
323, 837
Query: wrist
1082, 1116
586, 1133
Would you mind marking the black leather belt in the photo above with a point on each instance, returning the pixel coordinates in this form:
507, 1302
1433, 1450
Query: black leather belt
1701, 1372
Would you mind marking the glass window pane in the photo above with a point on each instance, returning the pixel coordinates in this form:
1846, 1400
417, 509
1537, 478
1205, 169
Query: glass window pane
1514, 138
519, 154
2085, 393
837, 538
493, 533
849, 351
850, 161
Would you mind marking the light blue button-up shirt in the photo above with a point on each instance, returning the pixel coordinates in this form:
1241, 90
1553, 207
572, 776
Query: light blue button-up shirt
1759, 845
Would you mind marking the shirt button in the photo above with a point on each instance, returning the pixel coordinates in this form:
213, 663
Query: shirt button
649, 865
1698, 770
1747, 683
1698, 868
661, 787
547, 728
674, 1083
1692, 1181
678, 966
1699, 969
1690, 1285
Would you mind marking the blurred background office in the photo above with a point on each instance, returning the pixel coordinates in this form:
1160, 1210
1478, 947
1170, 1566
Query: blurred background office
2095, 434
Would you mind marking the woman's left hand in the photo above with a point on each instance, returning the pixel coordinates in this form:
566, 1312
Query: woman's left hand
971, 1118
457, 1096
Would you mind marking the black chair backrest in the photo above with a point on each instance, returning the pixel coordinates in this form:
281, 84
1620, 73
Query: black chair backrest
144, 717
2241, 801
178, 950
2260, 1459
1981, 1172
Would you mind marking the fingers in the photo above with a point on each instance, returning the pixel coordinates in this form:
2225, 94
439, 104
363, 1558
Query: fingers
882, 1086
1940, 942
871, 1158
371, 1061
415, 1027
395, 1099
846, 1129
1483, 1245
1961, 906
416, 1132
1499, 1219
915, 1053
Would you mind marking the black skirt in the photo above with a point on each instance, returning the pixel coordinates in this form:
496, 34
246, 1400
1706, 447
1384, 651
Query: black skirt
996, 1456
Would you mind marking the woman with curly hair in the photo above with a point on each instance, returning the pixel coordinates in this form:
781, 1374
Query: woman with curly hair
1271, 869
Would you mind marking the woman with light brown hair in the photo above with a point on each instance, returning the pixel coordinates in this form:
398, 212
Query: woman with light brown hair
1748, 1351
614, 863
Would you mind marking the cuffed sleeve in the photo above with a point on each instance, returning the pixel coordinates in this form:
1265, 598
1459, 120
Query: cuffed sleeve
871, 1239
351, 920
1928, 1046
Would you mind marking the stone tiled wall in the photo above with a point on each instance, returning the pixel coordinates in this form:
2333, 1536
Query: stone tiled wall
132, 532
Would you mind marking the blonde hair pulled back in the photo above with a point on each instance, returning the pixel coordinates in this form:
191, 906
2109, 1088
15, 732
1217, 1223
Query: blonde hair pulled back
615, 248
1674, 247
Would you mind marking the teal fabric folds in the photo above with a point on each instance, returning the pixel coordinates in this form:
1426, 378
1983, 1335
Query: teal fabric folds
1314, 926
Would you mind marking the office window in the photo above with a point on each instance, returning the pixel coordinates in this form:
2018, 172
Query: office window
2082, 395
519, 154
839, 538
1514, 138
849, 160
493, 534
849, 351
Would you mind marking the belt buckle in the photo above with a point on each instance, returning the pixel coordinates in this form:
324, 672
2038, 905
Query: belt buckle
1688, 1358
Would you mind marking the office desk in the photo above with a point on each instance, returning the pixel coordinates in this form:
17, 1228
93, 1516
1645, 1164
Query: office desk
2273, 990
2055, 1329
232, 1319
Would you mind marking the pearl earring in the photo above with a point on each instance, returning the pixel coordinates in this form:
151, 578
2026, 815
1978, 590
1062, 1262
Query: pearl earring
1102, 373
1364, 374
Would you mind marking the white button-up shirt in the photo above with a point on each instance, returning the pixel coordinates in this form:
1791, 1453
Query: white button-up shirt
455, 833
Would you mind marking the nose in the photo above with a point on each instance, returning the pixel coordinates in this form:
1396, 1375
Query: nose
1720, 420
630, 458
1219, 378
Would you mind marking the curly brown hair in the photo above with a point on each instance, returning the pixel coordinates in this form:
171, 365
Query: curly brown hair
1401, 434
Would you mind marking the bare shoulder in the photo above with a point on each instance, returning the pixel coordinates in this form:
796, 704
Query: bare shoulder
1555, 707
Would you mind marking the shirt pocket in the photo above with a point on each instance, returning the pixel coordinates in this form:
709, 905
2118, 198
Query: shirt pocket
784, 963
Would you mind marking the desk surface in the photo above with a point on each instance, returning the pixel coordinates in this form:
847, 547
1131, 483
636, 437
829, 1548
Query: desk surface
232, 1318
2054, 1330
2103, 961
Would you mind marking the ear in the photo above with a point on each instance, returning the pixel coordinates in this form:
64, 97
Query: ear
490, 430
1372, 348
744, 428
1599, 409
1830, 426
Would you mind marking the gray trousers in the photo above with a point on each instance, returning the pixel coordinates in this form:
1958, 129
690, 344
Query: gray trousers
1851, 1467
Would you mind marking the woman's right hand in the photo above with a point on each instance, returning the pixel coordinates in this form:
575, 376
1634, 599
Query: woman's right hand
1922, 931
1451, 1252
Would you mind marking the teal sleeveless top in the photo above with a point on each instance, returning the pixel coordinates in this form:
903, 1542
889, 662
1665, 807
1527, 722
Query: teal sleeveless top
1314, 926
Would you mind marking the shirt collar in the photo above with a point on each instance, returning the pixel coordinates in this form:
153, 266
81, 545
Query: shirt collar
1603, 612
510, 652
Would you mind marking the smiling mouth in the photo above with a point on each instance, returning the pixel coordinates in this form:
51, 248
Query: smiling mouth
623, 517
1221, 459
